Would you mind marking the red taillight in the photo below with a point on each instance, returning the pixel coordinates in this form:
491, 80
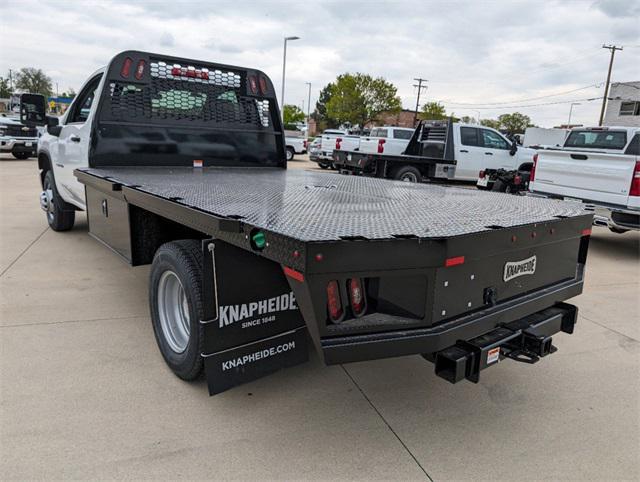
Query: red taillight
481, 174
357, 296
517, 180
533, 168
263, 85
338, 142
253, 84
381, 145
454, 261
304, 144
586, 232
126, 67
140, 70
334, 305
635, 181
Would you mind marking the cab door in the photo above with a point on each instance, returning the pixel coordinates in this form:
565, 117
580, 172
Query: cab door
495, 151
74, 140
469, 154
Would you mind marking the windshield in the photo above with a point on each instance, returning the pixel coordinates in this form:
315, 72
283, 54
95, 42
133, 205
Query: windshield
597, 139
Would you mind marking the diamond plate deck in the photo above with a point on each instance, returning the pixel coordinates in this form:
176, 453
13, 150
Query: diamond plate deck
314, 206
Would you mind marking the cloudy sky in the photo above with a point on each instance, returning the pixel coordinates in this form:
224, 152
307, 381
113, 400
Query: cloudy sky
480, 57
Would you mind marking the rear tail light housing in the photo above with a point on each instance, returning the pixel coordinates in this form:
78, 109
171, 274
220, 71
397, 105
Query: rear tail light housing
334, 303
140, 69
338, 142
481, 174
357, 296
635, 181
517, 180
126, 67
381, 145
533, 168
305, 144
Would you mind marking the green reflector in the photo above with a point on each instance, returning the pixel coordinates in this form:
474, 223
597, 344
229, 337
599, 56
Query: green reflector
259, 240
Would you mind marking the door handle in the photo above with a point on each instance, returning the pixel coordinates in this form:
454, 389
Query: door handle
463, 150
488, 153
75, 139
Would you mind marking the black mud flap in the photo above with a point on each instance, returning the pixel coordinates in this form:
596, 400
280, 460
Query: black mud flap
252, 324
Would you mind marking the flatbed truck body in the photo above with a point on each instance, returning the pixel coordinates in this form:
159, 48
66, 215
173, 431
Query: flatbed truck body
258, 259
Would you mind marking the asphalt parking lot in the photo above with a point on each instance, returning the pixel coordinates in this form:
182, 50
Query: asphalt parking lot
85, 392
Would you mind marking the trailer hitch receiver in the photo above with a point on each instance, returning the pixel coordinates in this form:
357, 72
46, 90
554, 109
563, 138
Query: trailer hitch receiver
525, 340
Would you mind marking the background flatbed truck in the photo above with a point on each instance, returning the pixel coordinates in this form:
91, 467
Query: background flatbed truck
248, 258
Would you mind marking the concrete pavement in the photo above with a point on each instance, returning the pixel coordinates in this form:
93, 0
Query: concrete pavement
85, 393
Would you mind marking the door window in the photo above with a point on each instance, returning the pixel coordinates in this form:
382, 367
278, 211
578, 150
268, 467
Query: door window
493, 140
398, 134
82, 105
469, 136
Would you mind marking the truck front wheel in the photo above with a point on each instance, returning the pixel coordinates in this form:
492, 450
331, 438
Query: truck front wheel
407, 174
290, 153
175, 299
59, 216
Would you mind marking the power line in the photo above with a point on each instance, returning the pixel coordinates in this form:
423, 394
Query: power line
531, 105
526, 100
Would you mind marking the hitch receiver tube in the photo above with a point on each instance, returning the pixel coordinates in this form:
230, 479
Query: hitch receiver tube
525, 340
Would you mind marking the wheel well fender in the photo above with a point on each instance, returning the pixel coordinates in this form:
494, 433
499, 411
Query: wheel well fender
44, 164
526, 166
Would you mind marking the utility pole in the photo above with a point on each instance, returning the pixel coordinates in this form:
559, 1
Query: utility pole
419, 86
308, 104
613, 49
10, 81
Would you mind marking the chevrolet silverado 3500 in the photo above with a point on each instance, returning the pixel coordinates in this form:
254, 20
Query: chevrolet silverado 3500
181, 164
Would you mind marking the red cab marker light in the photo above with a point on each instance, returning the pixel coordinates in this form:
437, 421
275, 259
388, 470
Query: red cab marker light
296, 254
140, 70
586, 232
454, 261
253, 84
334, 304
293, 274
319, 257
126, 67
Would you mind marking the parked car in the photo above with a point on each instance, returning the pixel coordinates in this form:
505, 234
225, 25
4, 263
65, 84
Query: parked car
386, 140
599, 167
315, 148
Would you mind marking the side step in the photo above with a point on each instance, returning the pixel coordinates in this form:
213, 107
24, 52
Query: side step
525, 340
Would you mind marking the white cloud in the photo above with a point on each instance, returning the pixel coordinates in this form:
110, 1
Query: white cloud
470, 51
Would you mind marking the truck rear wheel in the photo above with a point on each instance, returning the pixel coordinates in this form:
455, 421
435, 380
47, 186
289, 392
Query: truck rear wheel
60, 216
407, 174
290, 153
175, 299
500, 186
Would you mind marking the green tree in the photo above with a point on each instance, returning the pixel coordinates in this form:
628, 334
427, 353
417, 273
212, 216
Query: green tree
34, 81
359, 99
5, 90
493, 123
433, 111
320, 112
514, 123
292, 114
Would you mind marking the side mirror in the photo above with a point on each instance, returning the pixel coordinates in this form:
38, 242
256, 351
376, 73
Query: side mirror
32, 110
53, 126
514, 148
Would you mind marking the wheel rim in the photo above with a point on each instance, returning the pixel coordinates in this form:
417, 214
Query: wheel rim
46, 200
173, 311
289, 155
409, 177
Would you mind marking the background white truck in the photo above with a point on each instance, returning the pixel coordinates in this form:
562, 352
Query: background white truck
386, 140
597, 166
294, 144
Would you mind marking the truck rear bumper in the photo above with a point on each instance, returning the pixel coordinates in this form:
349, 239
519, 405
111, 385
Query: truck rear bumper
345, 349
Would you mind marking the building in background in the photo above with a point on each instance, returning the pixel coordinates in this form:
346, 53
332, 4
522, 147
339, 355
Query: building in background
623, 106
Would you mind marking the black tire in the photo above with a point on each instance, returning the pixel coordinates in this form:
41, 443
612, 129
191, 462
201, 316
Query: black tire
290, 153
62, 215
499, 186
323, 166
21, 155
334, 167
407, 174
184, 259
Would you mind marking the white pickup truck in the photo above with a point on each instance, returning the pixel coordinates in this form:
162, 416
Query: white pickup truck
598, 166
386, 140
294, 145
